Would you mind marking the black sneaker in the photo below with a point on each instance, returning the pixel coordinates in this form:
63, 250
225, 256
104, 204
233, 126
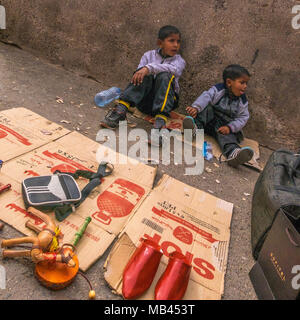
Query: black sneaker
159, 123
112, 118
239, 156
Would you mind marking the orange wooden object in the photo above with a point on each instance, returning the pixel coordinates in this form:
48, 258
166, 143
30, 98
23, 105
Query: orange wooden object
56, 276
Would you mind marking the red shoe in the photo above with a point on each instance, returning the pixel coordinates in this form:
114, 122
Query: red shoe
141, 269
174, 281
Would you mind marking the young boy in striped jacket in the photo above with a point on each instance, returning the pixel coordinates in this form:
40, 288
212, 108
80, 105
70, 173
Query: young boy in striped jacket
222, 112
154, 87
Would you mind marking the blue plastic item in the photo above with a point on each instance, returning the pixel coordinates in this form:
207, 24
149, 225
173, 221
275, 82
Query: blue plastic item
105, 97
207, 151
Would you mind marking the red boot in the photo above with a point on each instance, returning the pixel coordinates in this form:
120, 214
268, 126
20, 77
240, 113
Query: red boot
141, 269
174, 281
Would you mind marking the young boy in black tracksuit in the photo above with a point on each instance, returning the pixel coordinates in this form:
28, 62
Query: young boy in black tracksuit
154, 86
222, 112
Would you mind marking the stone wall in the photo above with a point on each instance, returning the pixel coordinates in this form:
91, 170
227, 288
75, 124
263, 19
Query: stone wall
106, 38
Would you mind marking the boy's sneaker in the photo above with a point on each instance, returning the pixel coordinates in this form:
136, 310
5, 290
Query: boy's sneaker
155, 138
113, 117
189, 123
239, 156
159, 123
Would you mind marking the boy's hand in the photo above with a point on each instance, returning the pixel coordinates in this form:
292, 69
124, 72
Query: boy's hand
224, 130
191, 111
138, 77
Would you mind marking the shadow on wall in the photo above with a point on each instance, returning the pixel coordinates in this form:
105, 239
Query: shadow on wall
107, 39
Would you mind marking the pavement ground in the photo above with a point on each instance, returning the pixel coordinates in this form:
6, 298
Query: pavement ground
31, 82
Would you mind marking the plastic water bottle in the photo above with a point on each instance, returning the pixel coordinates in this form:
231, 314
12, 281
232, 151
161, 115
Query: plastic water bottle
207, 151
104, 97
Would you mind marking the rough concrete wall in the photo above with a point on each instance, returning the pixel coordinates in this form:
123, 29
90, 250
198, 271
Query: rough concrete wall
106, 39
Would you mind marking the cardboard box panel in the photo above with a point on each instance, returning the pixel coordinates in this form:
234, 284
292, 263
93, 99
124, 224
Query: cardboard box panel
123, 189
111, 203
130, 168
22, 130
201, 203
117, 260
91, 246
175, 223
175, 123
176, 215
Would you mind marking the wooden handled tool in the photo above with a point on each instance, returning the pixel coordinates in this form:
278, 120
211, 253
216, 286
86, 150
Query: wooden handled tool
4, 188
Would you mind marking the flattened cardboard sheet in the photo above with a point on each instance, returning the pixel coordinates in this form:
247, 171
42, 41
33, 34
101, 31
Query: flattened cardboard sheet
110, 205
253, 163
22, 130
117, 260
91, 246
182, 218
176, 215
175, 122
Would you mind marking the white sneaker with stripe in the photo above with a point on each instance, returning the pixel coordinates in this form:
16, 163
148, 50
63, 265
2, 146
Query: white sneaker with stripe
239, 156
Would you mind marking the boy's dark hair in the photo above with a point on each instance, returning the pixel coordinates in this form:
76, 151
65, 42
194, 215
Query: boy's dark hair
234, 71
166, 31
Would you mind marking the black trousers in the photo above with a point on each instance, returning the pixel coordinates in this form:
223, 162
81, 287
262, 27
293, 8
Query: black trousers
211, 120
154, 96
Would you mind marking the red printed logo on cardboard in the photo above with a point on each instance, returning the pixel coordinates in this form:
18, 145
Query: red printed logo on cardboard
183, 234
70, 165
3, 133
118, 200
16, 208
202, 267
206, 235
